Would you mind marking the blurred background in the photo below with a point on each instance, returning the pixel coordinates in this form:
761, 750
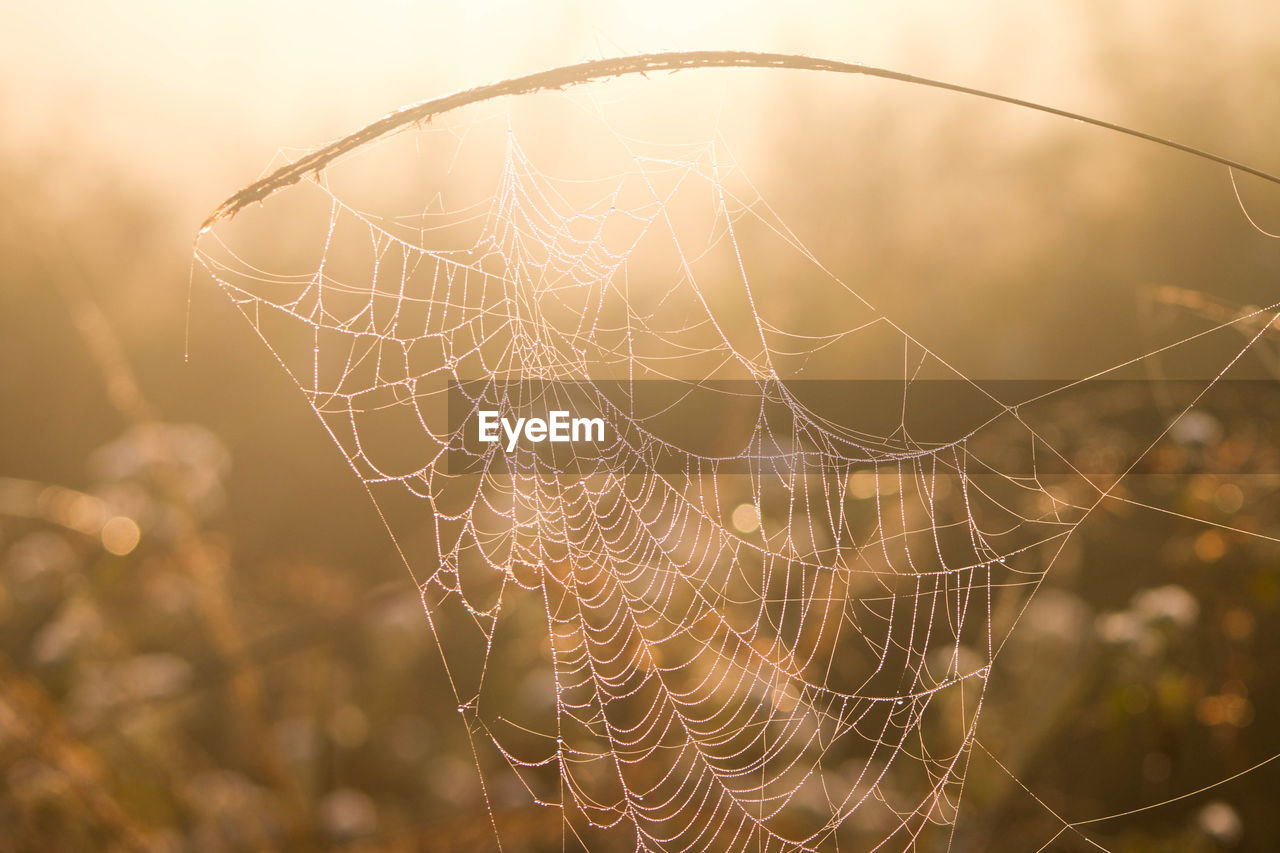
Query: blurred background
207, 639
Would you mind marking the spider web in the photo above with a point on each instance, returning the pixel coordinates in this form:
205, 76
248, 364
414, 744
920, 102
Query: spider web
779, 646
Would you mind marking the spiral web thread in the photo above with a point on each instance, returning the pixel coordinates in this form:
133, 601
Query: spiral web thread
784, 648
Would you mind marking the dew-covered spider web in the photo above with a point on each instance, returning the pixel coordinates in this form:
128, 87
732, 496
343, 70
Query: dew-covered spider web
764, 613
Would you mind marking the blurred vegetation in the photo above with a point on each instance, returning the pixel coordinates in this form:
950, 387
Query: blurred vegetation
207, 641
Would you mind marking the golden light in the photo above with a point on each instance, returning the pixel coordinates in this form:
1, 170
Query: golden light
746, 518
120, 535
